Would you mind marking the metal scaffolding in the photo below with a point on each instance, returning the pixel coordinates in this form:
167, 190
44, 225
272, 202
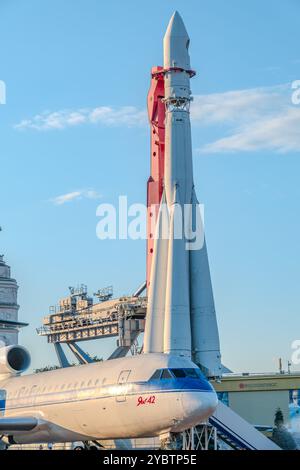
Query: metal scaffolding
203, 437
77, 318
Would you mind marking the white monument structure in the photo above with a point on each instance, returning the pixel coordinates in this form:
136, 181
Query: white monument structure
9, 325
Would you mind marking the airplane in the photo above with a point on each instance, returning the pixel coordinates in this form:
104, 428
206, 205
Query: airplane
147, 395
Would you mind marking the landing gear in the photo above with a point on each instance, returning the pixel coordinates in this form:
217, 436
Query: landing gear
3, 445
87, 445
169, 441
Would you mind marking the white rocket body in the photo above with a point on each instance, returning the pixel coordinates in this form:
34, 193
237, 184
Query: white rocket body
154, 334
204, 327
181, 315
177, 330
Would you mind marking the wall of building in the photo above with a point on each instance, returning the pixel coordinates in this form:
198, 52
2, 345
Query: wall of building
8, 304
259, 408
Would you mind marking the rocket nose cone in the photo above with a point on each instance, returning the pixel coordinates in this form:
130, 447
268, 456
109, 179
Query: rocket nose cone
176, 27
176, 44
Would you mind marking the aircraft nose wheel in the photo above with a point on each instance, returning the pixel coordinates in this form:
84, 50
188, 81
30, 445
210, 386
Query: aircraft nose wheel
169, 441
87, 446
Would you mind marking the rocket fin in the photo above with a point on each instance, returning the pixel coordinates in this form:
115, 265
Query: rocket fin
204, 327
177, 328
154, 328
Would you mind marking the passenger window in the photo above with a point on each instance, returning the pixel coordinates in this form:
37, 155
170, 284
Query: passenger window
156, 375
166, 374
33, 390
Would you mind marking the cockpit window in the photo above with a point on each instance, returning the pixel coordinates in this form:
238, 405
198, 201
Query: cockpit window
179, 373
166, 374
192, 373
160, 374
156, 375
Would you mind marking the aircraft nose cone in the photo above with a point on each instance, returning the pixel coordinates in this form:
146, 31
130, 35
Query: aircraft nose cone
198, 406
176, 43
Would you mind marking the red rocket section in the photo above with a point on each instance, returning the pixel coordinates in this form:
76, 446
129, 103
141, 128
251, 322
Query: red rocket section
156, 114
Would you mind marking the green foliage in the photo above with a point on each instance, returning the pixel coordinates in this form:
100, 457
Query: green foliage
279, 419
55, 367
280, 435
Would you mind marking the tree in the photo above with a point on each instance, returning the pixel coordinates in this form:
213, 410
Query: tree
280, 435
279, 419
55, 367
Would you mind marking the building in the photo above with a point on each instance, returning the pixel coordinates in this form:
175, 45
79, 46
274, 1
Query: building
9, 308
257, 397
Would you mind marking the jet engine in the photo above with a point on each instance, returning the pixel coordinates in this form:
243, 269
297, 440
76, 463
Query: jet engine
14, 360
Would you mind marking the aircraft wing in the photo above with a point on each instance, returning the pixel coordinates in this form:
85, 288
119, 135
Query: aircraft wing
17, 424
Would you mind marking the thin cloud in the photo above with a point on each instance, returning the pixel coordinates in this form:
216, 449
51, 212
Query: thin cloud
254, 120
75, 195
248, 120
280, 133
128, 116
232, 107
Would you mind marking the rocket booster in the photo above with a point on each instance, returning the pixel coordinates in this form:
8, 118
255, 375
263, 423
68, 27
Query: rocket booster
181, 315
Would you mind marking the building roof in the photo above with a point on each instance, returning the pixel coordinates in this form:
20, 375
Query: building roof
258, 382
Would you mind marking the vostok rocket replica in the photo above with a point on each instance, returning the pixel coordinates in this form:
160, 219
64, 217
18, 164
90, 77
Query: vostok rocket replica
181, 317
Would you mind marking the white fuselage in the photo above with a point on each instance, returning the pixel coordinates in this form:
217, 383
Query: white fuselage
108, 400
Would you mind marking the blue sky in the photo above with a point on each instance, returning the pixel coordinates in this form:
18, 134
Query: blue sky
77, 76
